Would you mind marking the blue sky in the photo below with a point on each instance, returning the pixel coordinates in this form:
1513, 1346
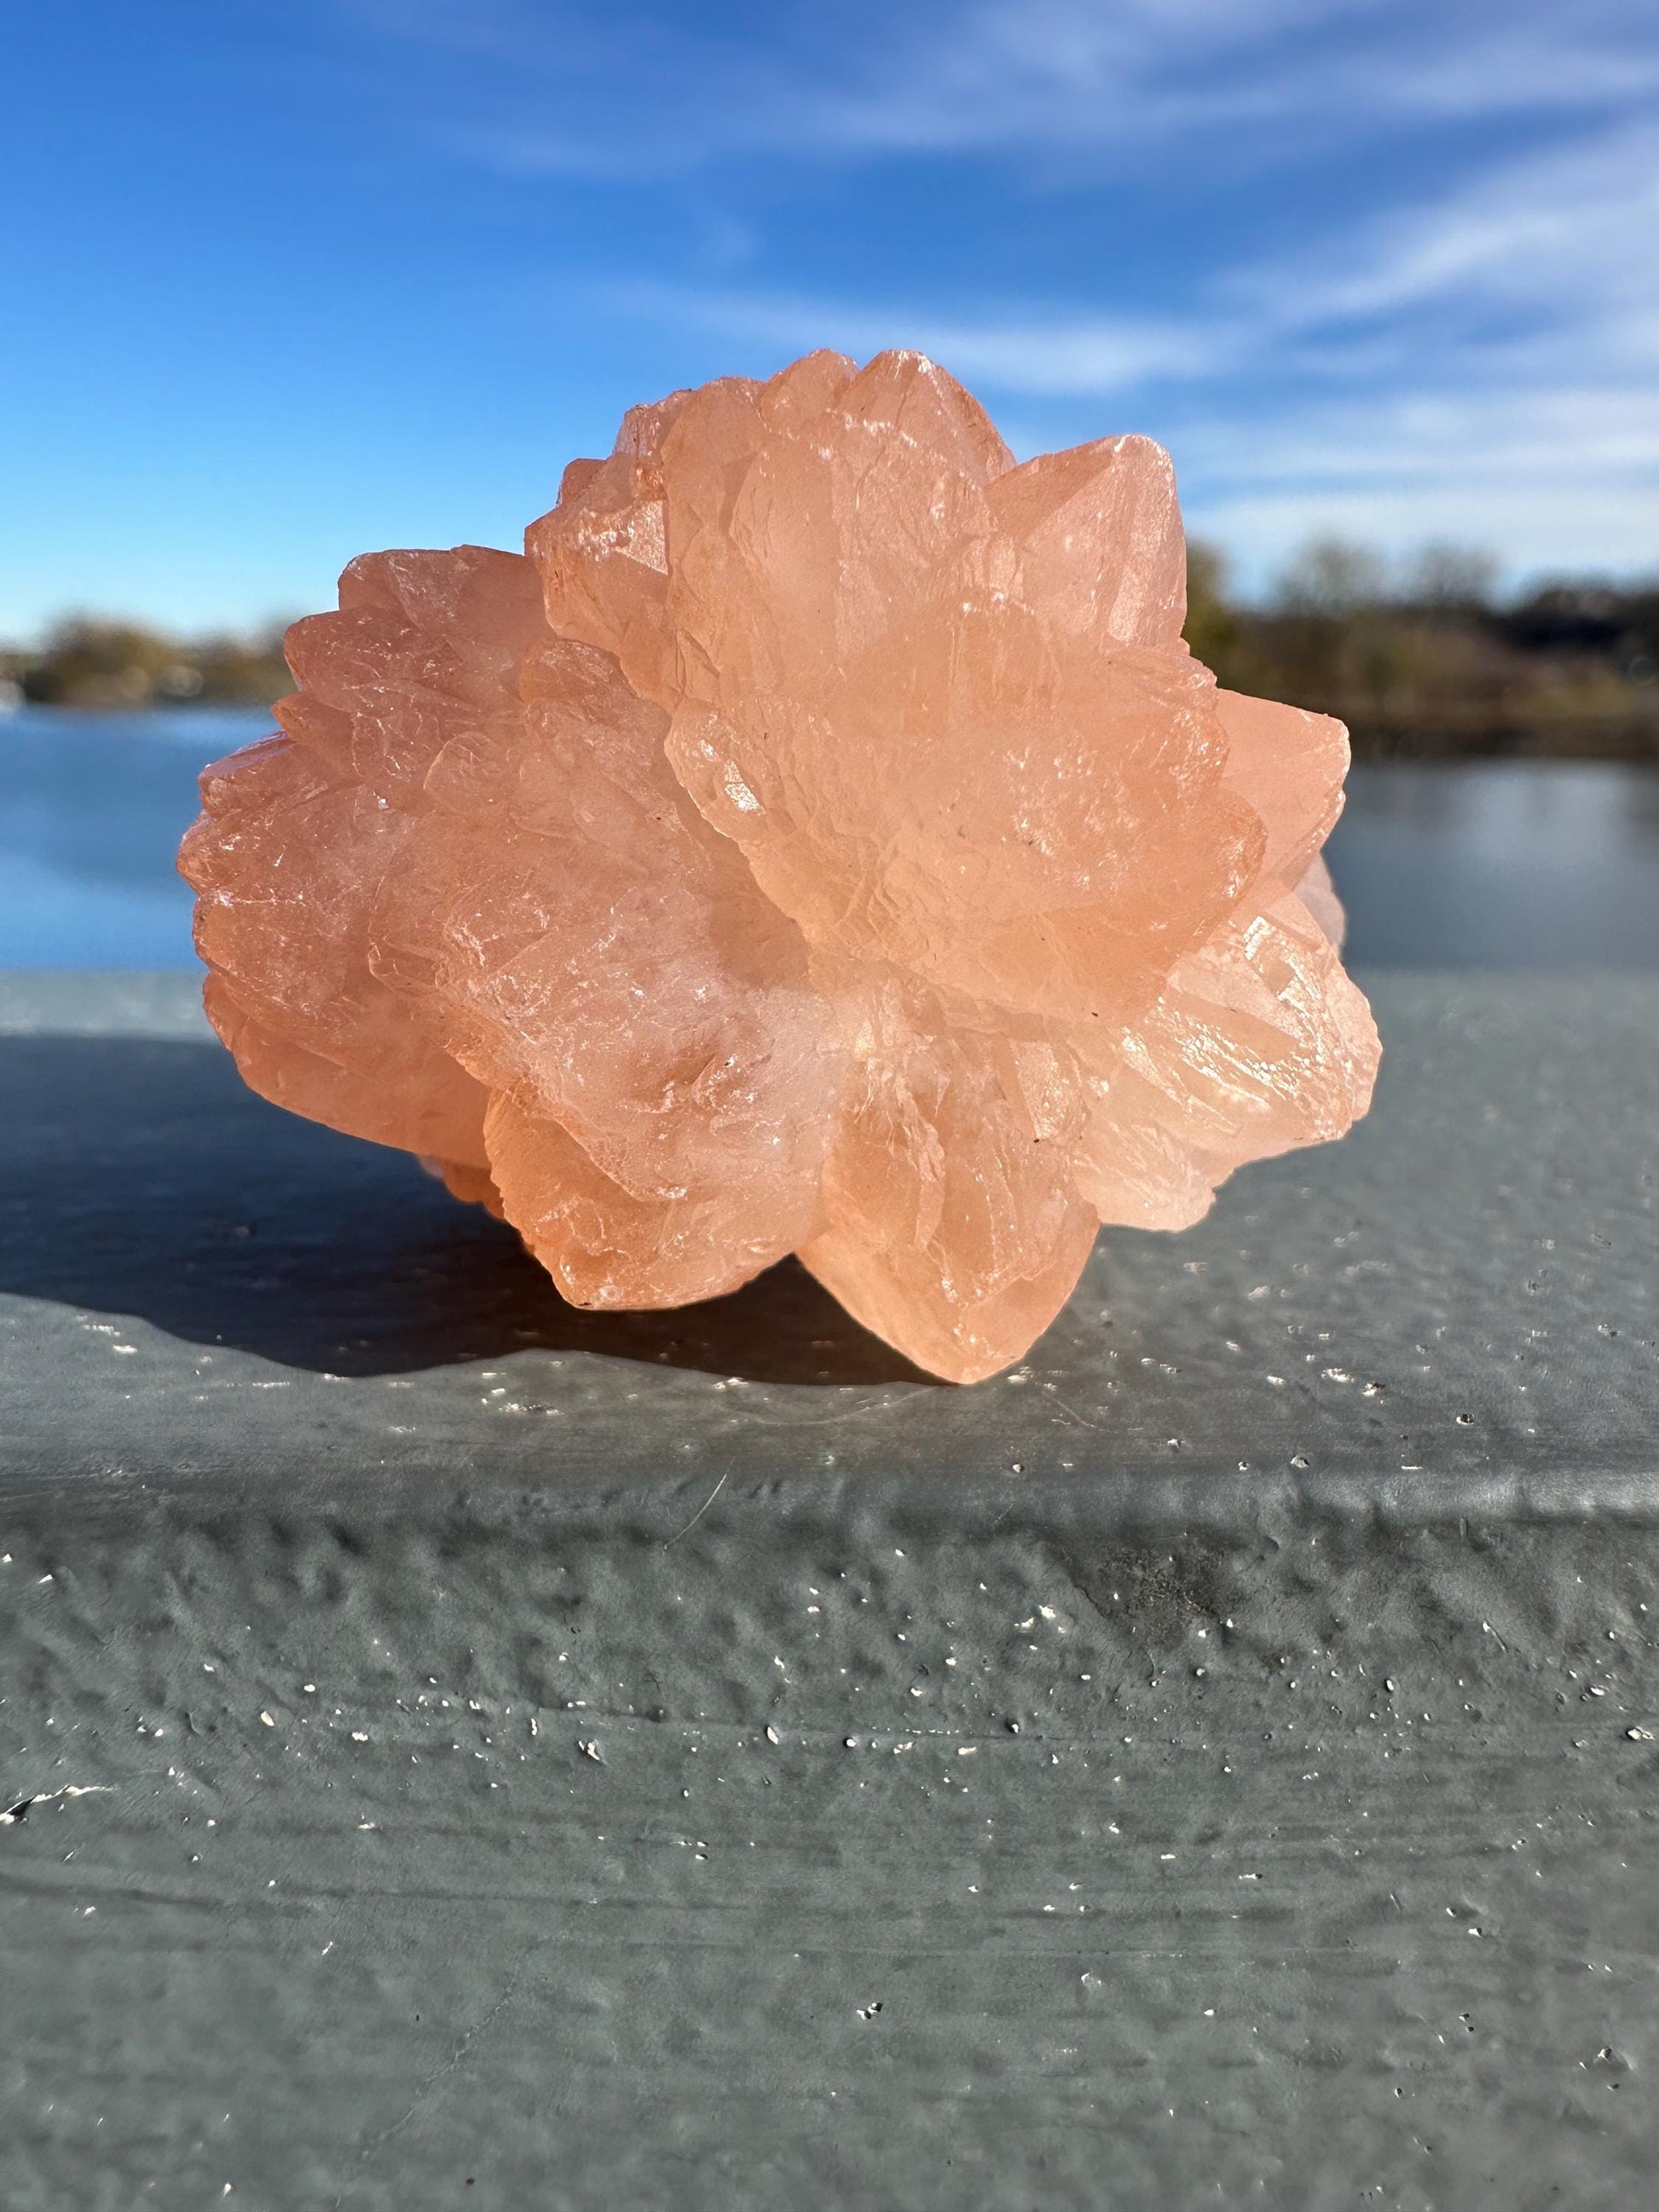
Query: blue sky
286, 279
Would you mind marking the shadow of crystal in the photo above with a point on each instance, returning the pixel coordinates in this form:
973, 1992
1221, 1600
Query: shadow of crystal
142, 1178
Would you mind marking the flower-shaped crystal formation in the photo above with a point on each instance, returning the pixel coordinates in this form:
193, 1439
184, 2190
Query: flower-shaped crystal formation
821, 842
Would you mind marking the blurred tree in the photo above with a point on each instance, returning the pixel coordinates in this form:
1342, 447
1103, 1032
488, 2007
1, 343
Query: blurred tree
90, 663
1212, 626
1419, 660
1446, 579
1330, 578
247, 671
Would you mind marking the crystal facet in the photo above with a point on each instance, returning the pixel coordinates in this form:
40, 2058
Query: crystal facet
820, 840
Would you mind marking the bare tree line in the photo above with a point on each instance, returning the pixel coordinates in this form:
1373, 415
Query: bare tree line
1423, 658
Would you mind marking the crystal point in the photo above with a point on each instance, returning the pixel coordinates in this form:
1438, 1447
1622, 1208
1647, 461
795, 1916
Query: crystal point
819, 841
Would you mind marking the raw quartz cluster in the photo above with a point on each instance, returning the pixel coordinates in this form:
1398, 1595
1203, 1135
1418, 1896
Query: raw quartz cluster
820, 840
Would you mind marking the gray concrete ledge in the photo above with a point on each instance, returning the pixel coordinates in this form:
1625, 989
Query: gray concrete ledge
458, 1752
1451, 1312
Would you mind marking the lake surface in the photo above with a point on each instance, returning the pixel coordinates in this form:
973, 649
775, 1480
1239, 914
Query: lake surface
1485, 865
1542, 865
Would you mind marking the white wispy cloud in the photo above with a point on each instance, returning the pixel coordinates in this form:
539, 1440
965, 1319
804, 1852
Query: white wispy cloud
1549, 258
1130, 73
1059, 355
1559, 231
1558, 478
1477, 357
649, 90
1485, 366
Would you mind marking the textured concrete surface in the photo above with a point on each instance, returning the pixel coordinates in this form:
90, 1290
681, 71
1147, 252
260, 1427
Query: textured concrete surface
462, 1753
1453, 1310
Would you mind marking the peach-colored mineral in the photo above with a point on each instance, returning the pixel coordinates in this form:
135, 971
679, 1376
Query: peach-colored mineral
821, 842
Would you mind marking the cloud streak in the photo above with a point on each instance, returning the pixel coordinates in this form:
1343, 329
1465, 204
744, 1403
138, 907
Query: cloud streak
1459, 313
1055, 356
578, 87
1545, 259
1485, 365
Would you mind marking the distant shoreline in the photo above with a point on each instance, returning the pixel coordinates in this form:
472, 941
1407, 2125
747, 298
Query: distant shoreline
1423, 664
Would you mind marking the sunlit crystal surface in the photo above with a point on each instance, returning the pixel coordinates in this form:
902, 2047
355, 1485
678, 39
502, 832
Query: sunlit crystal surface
822, 840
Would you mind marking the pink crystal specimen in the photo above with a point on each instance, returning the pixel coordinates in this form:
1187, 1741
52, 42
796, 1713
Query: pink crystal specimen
821, 842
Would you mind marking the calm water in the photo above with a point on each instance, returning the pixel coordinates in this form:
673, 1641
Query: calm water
1491, 865
1499, 863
